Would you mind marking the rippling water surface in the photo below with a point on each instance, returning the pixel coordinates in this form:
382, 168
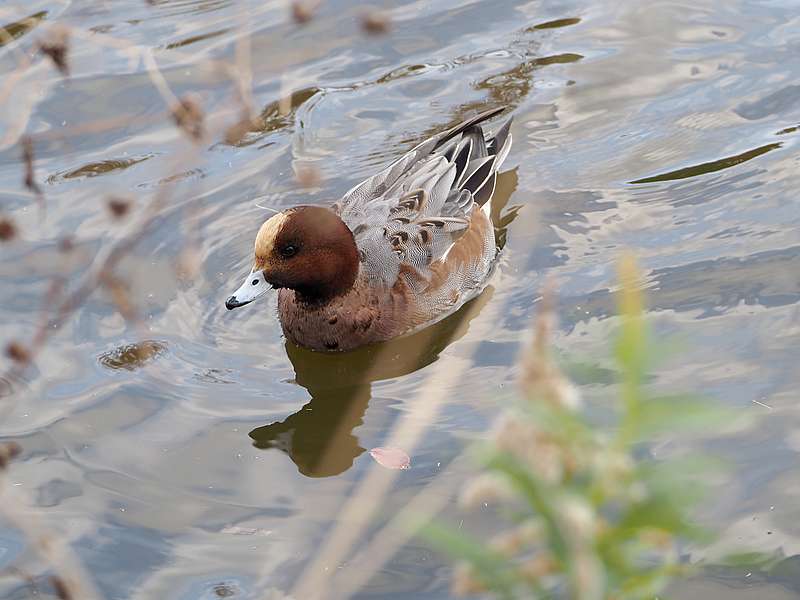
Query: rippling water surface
211, 460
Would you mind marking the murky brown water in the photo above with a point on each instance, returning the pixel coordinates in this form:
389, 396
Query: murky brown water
215, 461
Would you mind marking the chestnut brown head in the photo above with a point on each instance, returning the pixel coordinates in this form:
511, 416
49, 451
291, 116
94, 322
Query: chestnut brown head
307, 249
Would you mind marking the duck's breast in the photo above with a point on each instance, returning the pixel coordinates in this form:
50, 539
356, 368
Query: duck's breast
365, 315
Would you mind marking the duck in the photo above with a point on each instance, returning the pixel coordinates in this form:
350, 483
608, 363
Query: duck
400, 251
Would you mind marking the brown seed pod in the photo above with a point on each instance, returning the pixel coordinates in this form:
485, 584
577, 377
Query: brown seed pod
188, 116
56, 48
61, 588
13, 449
375, 22
118, 207
18, 353
8, 452
302, 12
8, 231
66, 245
27, 159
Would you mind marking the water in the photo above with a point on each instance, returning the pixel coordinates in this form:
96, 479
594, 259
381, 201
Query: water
214, 463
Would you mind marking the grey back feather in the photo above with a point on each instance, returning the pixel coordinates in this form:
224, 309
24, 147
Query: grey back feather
414, 210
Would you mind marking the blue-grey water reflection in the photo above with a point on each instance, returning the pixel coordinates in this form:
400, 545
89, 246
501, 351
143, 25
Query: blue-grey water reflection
212, 462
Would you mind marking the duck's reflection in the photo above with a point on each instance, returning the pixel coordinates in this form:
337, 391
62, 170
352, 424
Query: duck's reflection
318, 437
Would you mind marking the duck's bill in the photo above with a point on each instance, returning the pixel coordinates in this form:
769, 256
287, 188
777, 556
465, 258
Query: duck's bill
253, 287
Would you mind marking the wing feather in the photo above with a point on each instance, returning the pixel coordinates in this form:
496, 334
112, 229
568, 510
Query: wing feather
418, 215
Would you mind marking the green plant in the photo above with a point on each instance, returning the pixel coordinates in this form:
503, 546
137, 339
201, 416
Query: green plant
588, 514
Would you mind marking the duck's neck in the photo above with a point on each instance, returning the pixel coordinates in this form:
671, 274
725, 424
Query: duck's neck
336, 275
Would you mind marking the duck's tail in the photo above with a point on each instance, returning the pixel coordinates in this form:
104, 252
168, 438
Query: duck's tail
477, 159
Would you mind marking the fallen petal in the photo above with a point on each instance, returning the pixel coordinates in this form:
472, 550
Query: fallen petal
391, 458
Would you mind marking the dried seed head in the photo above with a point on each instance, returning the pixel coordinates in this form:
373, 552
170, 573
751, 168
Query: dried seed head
302, 12
27, 159
590, 576
61, 588
538, 566
375, 22
524, 439
13, 449
56, 48
507, 543
540, 377
18, 353
66, 245
465, 582
613, 469
188, 116
579, 520
8, 452
532, 531
658, 538
118, 207
8, 231
308, 176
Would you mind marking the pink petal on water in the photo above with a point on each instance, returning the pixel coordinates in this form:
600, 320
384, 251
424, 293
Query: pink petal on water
391, 458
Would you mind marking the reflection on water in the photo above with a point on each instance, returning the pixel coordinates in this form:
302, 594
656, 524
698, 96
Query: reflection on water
319, 437
99, 168
638, 126
132, 356
20, 27
710, 167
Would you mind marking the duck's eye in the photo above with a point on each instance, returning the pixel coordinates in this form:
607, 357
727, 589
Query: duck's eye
289, 250
255, 281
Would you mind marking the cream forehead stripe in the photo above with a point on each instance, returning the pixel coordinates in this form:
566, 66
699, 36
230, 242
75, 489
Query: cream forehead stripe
265, 239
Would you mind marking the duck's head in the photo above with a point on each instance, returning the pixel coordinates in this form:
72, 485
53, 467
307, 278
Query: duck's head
308, 249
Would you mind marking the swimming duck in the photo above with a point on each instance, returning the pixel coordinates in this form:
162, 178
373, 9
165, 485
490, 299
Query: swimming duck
399, 251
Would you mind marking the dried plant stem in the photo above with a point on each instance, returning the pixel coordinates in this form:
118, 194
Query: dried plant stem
425, 505
239, 73
52, 548
71, 579
159, 82
244, 70
105, 262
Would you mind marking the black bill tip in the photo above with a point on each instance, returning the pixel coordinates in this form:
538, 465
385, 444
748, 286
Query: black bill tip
232, 303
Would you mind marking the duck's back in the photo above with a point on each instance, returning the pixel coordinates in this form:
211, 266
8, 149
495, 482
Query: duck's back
421, 216
425, 240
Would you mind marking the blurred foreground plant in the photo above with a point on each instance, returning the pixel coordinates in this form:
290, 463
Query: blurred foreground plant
589, 515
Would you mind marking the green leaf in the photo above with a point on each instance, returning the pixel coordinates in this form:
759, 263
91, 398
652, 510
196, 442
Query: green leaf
660, 513
588, 373
762, 561
683, 479
681, 412
494, 571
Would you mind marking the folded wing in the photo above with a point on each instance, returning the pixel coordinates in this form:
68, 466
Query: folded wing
419, 218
